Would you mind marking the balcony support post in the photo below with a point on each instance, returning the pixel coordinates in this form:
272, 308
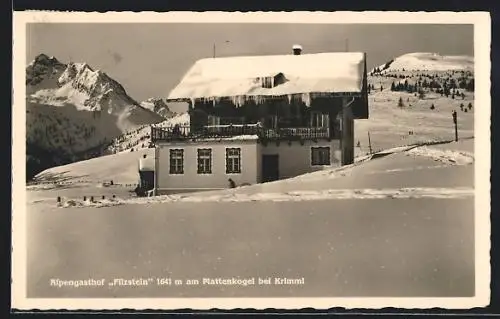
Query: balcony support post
347, 132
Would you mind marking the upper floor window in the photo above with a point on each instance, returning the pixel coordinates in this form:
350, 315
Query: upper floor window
213, 120
176, 161
319, 119
233, 160
269, 82
204, 161
320, 156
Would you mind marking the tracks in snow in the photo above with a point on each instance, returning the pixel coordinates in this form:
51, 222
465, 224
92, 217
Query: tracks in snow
331, 194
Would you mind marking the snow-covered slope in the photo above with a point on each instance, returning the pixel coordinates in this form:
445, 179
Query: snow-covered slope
426, 61
140, 137
411, 101
120, 167
73, 111
158, 106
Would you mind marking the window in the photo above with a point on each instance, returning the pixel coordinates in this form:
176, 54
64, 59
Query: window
319, 119
271, 121
233, 160
213, 120
269, 82
213, 123
320, 156
204, 161
176, 161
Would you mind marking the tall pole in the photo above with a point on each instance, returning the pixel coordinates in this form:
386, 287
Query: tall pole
347, 131
454, 114
370, 143
227, 41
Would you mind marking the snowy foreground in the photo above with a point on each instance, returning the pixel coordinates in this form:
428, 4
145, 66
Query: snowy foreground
398, 225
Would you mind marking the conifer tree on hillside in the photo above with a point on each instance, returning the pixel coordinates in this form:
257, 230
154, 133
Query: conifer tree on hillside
446, 90
400, 103
421, 94
462, 83
470, 85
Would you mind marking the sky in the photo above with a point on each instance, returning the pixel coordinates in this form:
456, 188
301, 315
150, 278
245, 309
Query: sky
150, 59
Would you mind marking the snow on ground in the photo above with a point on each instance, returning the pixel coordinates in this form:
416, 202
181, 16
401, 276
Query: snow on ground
389, 125
387, 228
298, 196
403, 173
120, 168
395, 225
460, 158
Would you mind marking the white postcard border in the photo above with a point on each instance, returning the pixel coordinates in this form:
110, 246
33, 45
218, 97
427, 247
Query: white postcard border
482, 43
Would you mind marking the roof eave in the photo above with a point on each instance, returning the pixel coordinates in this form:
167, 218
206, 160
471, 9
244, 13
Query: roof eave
324, 94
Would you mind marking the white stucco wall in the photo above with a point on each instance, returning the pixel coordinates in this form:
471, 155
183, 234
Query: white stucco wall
218, 178
295, 159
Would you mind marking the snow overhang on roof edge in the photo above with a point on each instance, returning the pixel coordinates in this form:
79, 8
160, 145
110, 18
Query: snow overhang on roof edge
308, 76
266, 97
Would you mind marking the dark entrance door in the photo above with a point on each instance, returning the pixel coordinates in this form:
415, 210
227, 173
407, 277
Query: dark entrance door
147, 180
270, 168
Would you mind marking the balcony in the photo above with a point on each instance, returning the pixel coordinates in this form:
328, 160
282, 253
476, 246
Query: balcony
180, 133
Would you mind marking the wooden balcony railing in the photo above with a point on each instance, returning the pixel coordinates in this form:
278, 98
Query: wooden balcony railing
225, 131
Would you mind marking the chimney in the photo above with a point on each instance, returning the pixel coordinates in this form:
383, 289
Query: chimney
297, 49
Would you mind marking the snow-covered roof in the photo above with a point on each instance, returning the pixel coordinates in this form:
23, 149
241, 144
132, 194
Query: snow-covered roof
244, 77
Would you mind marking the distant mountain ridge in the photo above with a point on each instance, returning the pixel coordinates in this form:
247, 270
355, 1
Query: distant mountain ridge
73, 111
158, 105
